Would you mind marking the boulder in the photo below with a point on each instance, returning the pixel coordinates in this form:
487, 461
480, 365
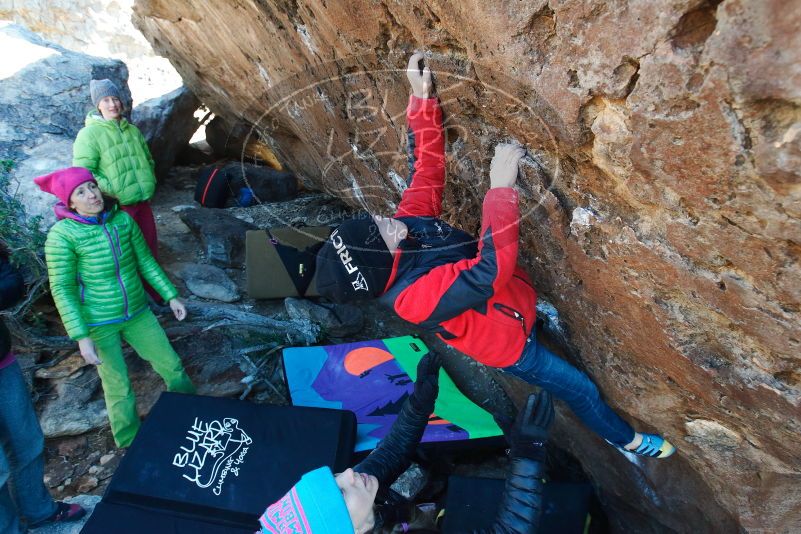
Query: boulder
64, 368
335, 320
209, 282
221, 235
72, 412
226, 140
168, 123
197, 153
411, 482
100, 28
50, 152
665, 229
44, 99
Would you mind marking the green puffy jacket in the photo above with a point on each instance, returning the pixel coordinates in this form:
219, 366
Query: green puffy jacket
94, 266
116, 152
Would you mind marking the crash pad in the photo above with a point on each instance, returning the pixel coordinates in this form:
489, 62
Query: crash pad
125, 519
373, 379
224, 460
472, 503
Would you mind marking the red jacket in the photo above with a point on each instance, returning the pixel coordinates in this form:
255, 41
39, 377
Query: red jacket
470, 292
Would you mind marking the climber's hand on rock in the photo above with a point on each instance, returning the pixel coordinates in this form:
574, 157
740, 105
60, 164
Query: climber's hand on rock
419, 80
504, 166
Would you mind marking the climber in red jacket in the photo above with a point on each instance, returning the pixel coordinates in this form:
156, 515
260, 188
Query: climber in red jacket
473, 296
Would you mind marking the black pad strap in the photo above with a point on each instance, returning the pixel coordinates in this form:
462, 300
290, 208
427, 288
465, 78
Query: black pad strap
299, 264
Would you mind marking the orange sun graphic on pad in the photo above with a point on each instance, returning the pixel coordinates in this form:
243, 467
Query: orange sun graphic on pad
363, 359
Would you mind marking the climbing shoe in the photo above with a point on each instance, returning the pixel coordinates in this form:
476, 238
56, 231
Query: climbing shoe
653, 446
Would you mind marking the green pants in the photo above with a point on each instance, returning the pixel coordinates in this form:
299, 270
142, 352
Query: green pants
145, 335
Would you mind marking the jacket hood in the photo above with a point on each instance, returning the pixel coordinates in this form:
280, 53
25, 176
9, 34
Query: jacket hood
94, 117
63, 212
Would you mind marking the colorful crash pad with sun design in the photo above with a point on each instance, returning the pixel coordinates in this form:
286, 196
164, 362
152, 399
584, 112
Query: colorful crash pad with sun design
373, 379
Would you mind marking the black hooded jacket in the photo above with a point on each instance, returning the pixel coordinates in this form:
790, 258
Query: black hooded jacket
520, 509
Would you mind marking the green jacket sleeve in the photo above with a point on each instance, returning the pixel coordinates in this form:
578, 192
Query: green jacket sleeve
148, 266
86, 154
62, 269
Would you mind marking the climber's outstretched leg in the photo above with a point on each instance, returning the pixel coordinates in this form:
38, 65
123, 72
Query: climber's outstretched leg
541, 367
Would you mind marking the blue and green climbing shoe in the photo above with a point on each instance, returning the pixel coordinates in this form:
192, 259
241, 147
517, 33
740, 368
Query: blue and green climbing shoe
653, 446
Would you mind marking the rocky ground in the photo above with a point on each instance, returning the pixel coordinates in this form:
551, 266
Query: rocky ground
80, 452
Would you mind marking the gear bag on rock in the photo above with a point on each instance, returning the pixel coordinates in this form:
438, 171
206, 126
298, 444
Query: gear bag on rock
281, 261
216, 184
211, 190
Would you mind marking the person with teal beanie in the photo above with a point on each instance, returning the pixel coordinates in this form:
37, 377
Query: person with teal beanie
357, 500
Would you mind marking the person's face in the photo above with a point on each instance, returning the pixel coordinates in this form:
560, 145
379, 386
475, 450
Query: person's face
359, 492
110, 107
392, 231
86, 199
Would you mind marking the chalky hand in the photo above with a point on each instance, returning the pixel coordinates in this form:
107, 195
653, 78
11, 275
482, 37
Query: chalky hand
420, 81
504, 166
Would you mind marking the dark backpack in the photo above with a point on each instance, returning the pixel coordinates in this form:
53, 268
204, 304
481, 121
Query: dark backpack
217, 183
266, 183
212, 188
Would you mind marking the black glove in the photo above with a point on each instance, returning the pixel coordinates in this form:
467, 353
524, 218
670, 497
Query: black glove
530, 431
426, 387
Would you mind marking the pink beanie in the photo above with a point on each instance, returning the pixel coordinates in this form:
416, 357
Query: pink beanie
64, 181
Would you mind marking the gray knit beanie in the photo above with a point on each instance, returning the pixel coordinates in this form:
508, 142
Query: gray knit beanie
99, 89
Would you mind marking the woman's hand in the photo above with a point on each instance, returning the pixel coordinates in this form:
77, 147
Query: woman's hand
420, 81
178, 309
87, 348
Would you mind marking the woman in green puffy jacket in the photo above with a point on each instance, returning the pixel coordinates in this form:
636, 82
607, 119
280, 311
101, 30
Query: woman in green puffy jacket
96, 255
116, 153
